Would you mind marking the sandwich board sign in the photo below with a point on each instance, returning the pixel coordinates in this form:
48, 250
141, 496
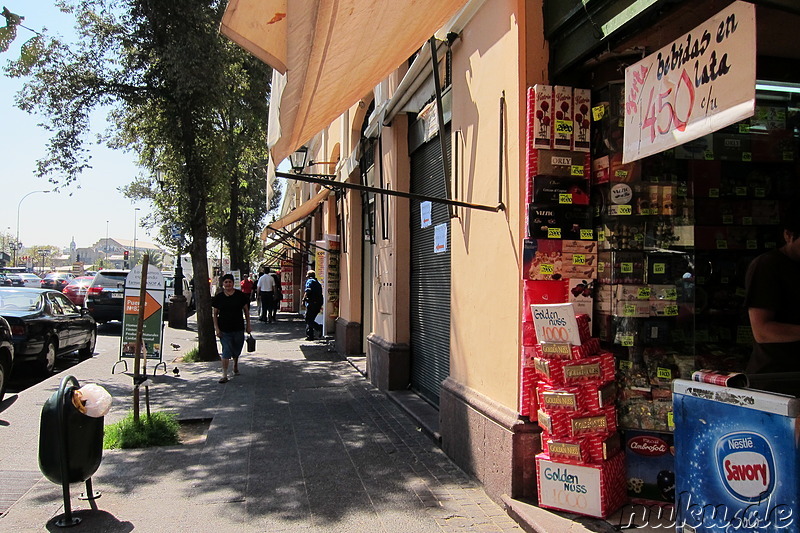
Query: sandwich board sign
152, 325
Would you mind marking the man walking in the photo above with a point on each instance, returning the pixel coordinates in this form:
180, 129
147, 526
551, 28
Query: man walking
312, 296
265, 285
231, 313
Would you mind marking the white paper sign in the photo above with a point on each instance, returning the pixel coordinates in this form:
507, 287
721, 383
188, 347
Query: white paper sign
570, 487
699, 83
440, 238
556, 323
425, 214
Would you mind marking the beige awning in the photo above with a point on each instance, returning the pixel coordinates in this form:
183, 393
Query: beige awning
334, 52
298, 213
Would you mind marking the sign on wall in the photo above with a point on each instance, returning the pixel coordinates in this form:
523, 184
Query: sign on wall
699, 83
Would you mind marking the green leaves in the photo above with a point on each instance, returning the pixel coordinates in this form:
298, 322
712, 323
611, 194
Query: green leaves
9, 32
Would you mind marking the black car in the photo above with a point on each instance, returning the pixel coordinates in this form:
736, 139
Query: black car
6, 355
106, 296
45, 324
56, 280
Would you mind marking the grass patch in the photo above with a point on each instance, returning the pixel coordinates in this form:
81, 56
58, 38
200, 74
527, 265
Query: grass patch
192, 356
160, 429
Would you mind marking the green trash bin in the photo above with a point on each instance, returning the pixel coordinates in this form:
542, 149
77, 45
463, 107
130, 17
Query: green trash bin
81, 437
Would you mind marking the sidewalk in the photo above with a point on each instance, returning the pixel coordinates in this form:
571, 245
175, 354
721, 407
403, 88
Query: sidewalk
299, 441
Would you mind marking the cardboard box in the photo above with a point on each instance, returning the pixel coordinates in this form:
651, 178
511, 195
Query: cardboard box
569, 424
596, 489
564, 398
579, 247
567, 352
561, 190
528, 403
542, 292
581, 294
558, 163
594, 369
540, 116
542, 260
581, 119
571, 222
563, 114
582, 450
650, 461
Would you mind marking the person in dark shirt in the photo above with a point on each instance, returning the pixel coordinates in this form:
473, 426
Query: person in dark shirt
773, 303
231, 313
312, 296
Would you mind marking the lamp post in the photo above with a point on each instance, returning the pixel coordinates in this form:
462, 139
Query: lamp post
17, 246
105, 248
135, 223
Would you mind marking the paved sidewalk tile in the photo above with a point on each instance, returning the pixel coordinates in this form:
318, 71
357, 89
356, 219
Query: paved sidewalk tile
300, 441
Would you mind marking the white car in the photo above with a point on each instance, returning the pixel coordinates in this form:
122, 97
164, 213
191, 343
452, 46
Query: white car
27, 279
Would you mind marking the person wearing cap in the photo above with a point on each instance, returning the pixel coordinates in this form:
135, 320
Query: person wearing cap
312, 296
231, 314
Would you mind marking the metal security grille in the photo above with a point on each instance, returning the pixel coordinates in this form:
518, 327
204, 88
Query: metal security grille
430, 277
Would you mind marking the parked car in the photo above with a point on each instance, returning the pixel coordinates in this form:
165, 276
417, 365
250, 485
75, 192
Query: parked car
25, 279
4, 280
77, 288
106, 295
6, 355
45, 324
56, 280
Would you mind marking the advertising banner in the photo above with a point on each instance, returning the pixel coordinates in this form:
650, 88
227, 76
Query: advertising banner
699, 83
152, 326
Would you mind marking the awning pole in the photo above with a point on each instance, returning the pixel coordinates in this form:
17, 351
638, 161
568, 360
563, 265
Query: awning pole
437, 86
329, 183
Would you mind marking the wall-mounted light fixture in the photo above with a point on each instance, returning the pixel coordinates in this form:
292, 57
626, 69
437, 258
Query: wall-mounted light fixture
298, 159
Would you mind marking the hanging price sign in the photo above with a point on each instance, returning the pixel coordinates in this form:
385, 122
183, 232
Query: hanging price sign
697, 84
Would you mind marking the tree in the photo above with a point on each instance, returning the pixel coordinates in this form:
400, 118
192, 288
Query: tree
167, 75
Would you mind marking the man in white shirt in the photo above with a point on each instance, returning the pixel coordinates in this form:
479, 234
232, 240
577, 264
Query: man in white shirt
265, 285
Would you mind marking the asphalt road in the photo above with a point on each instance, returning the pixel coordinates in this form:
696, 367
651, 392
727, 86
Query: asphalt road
107, 346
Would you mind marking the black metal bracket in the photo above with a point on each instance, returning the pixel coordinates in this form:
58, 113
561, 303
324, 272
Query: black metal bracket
326, 180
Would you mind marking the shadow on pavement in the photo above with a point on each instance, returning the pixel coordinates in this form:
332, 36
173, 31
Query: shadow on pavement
92, 520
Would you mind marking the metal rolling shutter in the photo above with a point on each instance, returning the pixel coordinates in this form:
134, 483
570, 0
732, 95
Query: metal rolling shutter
430, 277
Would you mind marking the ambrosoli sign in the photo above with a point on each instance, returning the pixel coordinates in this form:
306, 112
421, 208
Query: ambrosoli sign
699, 83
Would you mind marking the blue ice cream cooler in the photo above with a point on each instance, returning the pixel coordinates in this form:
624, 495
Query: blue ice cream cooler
737, 461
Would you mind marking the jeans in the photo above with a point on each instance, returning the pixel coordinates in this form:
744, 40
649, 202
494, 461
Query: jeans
232, 344
311, 316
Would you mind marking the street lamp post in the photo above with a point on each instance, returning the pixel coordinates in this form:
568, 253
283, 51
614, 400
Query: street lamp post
105, 248
135, 223
17, 238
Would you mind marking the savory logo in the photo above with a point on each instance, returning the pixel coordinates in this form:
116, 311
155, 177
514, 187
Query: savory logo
746, 466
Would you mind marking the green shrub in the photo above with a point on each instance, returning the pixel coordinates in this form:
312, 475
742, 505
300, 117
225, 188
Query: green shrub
192, 356
160, 429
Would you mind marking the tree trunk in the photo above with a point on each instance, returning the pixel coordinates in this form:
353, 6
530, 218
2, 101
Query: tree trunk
198, 225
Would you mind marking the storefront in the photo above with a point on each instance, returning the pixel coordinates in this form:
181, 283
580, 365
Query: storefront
691, 162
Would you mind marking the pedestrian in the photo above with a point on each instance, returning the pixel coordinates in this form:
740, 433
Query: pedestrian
312, 296
247, 286
266, 284
231, 313
277, 296
772, 297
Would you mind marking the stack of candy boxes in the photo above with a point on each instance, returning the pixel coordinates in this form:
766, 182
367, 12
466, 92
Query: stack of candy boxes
581, 469
560, 248
566, 384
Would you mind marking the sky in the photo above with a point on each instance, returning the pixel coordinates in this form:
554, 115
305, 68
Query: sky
84, 210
